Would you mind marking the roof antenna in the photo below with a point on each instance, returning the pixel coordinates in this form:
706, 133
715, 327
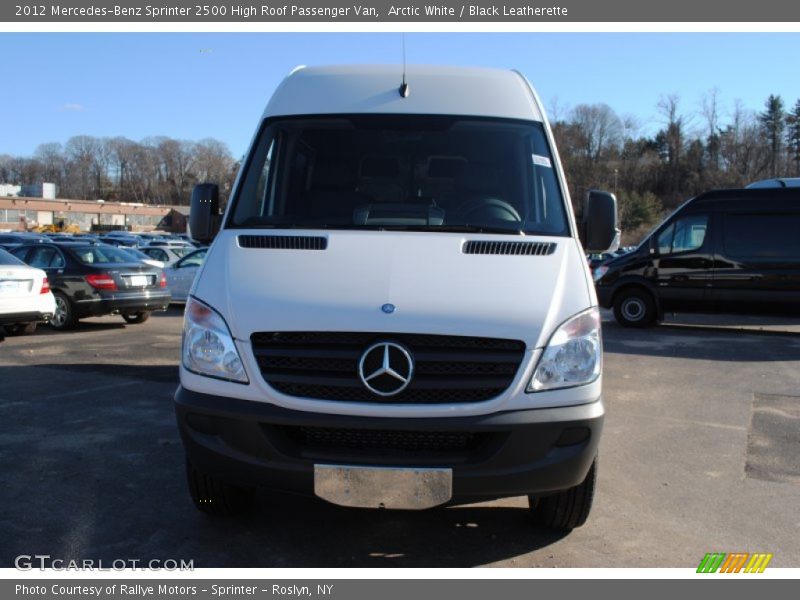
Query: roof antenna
404, 86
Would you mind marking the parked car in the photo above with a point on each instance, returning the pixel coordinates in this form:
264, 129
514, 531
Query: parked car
184, 237
127, 241
137, 254
397, 312
90, 280
168, 244
14, 239
167, 255
722, 251
181, 274
778, 182
25, 296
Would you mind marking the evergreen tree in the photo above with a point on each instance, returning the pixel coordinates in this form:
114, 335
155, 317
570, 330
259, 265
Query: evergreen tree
773, 123
793, 136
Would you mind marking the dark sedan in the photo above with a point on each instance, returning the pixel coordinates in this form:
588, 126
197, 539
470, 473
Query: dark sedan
90, 280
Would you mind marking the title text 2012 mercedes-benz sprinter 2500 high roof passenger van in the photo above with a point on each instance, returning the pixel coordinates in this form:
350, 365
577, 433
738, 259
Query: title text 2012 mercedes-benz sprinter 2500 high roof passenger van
396, 310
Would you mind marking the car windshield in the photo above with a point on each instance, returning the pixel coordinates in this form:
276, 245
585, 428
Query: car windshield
90, 255
412, 172
9, 259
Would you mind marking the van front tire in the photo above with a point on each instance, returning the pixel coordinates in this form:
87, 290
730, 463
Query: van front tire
635, 308
215, 497
566, 510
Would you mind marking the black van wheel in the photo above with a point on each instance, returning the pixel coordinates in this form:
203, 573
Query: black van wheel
569, 509
215, 497
635, 308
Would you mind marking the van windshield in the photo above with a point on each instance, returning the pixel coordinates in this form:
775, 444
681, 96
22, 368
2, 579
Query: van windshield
401, 172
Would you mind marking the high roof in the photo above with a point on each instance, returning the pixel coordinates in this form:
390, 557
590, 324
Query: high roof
432, 90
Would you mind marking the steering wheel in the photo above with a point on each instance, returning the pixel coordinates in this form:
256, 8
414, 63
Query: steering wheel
493, 208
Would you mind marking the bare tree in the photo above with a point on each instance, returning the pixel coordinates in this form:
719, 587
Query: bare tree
710, 110
598, 127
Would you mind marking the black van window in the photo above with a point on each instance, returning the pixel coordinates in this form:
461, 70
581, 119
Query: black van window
665, 239
683, 235
762, 235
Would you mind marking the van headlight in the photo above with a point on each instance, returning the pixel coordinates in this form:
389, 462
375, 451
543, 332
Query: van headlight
208, 347
573, 356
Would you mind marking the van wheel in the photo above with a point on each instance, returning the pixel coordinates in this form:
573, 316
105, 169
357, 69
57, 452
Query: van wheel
569, 509
138, 317
215, 497
21, 329
635, 308
64, 316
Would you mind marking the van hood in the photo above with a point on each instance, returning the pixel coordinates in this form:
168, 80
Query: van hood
434, 286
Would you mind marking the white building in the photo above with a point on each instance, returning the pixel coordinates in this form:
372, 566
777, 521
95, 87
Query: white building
6, 190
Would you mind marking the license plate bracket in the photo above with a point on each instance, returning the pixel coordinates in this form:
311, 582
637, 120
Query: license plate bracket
383, 487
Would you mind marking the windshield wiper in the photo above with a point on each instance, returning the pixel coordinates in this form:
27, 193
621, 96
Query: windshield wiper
477, 229
389, 227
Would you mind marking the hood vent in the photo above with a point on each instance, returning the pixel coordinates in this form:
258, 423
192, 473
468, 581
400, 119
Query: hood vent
283, 242
509, 248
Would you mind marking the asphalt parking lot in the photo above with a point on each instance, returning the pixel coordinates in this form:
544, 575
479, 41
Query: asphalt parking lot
700, 453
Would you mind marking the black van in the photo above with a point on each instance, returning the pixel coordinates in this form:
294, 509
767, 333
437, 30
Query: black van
722, 251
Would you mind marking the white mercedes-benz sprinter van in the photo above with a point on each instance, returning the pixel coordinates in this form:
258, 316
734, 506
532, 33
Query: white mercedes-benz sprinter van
396, 310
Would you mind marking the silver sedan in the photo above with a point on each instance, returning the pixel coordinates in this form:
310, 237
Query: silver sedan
181, 274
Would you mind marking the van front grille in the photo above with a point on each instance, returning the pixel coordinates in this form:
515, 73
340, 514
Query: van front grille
447, 369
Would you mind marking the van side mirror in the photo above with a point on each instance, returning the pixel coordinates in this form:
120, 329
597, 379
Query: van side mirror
204, 218
600, 222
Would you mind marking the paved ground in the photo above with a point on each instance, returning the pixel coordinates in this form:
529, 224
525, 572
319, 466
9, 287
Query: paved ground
701, 452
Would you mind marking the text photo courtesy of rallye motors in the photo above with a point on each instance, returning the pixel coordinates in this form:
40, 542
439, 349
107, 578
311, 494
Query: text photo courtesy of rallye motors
396, 311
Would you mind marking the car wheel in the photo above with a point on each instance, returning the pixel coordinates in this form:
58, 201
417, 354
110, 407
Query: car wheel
138, 317
635, 308
569, 509
215, 497
64, 315
21, 329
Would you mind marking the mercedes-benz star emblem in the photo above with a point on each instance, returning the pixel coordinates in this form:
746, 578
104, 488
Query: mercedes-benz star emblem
388, 308
386, 368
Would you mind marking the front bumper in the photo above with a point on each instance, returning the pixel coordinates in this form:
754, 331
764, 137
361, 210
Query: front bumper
536, 451
121, 302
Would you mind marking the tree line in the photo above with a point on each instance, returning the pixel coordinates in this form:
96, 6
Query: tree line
690, 152
157, 170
